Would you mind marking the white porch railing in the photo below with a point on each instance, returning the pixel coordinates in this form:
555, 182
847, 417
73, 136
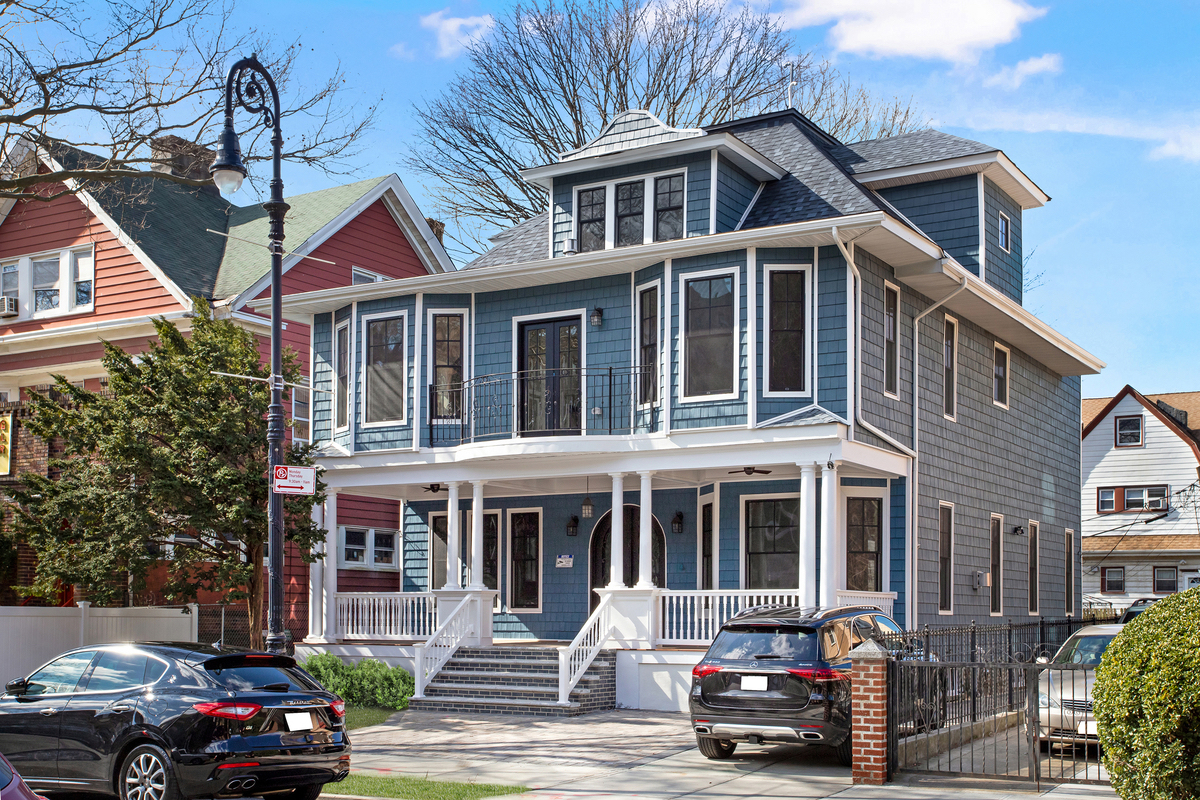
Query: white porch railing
882, 600
386, 615
433, 654
575, 658
694, 617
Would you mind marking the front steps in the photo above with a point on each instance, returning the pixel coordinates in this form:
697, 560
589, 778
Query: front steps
520, 681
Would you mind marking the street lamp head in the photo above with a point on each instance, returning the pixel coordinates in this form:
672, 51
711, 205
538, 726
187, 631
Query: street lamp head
227, 169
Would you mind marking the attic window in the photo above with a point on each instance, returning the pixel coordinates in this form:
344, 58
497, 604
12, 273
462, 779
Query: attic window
649, 208
1129, 431
359, 276
50, 284
1003, 229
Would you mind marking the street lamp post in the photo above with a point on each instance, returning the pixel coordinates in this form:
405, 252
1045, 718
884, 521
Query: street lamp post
245, 87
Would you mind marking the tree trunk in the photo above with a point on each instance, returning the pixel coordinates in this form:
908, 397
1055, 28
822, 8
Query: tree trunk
254, 598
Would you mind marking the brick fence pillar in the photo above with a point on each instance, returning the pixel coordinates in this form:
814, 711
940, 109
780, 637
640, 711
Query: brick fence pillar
869, 713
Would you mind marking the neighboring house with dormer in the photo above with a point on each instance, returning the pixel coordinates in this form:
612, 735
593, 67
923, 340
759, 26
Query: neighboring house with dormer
688, 388
85, 268
1141, 496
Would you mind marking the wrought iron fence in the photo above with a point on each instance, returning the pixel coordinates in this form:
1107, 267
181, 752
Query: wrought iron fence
545, 402
228, 624
1017, 642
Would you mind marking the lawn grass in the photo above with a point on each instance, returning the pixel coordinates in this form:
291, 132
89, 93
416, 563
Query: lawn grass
363, 716
417, 788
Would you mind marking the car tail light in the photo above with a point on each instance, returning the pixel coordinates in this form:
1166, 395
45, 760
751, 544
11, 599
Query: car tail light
338, 707
228, 709
819, 675
704, 670
239, 765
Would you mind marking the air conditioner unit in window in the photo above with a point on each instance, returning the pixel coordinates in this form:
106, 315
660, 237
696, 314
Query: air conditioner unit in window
9, 307
1156, 502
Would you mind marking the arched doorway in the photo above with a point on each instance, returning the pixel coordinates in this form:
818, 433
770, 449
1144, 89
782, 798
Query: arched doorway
599, 552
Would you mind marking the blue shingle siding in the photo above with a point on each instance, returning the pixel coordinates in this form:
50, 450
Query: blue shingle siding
735, 190
322, 377
947, 210
698, 167
730, 523
1005, 271
565, 592
769, 407
899, 547
831, 330
435, 302
342, 315
892, 416
703, 414
400, 434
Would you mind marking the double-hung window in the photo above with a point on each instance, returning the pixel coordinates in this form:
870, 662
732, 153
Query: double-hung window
82, 277
787, 366
891, 355
301, 414
945, 558
997, 573
1132, 498
46, 284
1129, 431
370, 548
709, 322
773, 543
1112, 579
631, 213
525, 561
949, 367
447, 365
668, 208
385, 369
341, 367
591, 219
10, 283
1034, 567
1106, 500
1166, 580
51, 284
1000, 370
648, 345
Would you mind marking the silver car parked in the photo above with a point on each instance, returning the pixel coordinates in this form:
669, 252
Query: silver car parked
1065, 695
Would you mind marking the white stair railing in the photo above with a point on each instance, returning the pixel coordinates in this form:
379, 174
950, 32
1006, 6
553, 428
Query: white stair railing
881, 600
694, 617
575, 658
386, 615
433, 654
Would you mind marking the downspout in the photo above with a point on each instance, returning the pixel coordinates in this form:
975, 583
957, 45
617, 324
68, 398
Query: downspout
912, 509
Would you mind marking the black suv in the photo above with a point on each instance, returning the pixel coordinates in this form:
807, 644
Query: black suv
781, 674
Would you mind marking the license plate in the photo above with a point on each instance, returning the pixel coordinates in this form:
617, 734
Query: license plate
299, 720
754, 683
1088, 728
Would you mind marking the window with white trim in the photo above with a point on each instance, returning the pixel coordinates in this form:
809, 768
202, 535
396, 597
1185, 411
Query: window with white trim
11, 281
1004, 231
1117, 499
648, 345
709, 341
632, 211
891, 355
341, 361
945, 557
358, 276
668, 208
301, 413
369, 548
1129, 431
1112, 579
1106, 500
386, 369
51, 284
1000, 370
1069, 550
524, 561
447, 364
787, 329
592, 223
1166, 580
997, 574
83, 274
1034, 568
949, 367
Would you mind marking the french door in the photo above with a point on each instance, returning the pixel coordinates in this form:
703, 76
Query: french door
550, 379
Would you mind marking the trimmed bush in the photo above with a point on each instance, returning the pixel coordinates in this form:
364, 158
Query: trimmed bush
1147, 702
367, 683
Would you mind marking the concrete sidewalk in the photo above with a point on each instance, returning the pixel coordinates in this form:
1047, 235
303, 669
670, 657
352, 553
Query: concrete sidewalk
637, 754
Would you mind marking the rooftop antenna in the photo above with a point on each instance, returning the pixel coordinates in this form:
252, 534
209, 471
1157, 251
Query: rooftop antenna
729, 99
790, 68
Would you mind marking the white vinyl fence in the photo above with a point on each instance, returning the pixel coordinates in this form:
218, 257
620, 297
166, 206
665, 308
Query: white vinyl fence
33, 636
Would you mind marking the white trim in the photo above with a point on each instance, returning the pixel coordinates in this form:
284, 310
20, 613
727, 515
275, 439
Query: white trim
982, 228
954, 321
1038, 575
669, 346
1007, 230
610, 206
430, 572
430, 333
1070, 537
498, 513
375, 277
809, 330
938, 554
712, 196
996, 165
888, 285
632, 112
996, 579
716, 495
541, 561
655, 284
883, 493
752, 387
368, 564
684, 277
361, 386
334, 426
418, 354
753, 200
550, 316
1007, 376
741, 543
352, 382
64, 285
703, 500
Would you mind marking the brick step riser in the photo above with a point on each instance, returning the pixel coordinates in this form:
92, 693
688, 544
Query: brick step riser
548, 681
483, 708
433, 693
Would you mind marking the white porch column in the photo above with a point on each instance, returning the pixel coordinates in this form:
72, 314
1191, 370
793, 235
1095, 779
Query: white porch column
808, 535
330, 631
453, 538
645, 534
316, 584
477, 535
830, 552
616, 538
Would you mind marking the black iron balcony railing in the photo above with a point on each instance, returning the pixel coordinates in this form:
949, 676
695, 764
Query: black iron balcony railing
546, 402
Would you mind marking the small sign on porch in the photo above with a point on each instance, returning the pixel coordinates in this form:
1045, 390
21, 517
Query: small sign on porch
564, 562
294, 480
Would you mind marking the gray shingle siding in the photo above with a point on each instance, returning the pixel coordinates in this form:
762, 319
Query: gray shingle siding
947, 210
631, 129
801, 257
735, 190
1005, 271
831, 330
891, 415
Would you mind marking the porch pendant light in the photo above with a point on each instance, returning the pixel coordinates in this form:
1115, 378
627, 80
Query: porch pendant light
588, 509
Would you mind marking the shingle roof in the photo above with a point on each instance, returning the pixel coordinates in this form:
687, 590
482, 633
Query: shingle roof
1188, 402
1141, 543
918, 147
525, 241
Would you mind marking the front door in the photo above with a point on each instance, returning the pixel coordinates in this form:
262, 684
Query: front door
549, 380
600, 552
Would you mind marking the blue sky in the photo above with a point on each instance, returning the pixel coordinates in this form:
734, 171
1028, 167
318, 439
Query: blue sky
1095, 101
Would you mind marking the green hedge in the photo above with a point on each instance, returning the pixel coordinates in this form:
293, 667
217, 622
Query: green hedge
367, 683
1147, 702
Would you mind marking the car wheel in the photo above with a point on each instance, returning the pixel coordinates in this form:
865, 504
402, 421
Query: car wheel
845, 751
147, 774
715, 748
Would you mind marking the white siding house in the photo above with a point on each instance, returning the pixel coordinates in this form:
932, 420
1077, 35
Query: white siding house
1140, 498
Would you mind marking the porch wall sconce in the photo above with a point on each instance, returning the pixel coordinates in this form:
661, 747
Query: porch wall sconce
573, 526
597, 317
587, 509
1018, 531
677, 522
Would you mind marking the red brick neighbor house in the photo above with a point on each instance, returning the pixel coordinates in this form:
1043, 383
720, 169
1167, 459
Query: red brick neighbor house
99, 266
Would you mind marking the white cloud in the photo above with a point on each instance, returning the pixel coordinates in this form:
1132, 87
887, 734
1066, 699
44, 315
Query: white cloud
1011, 78
402, 51
455, 33
957, 31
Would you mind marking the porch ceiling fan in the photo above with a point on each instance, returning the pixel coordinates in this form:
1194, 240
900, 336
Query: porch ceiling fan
750, 471
433, 487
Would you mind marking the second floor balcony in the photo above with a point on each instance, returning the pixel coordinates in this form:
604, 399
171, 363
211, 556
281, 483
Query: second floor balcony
563, 401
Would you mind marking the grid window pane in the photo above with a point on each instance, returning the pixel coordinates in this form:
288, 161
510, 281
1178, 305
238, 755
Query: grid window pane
448, 365
648, 346
709, 336
773, 544
591, 219
355, 551
787, 317
342, 366
385, 369
668, 208
864, 544
526, 556
631, 216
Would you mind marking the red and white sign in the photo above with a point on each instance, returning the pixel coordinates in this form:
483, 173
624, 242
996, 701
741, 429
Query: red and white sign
295, 480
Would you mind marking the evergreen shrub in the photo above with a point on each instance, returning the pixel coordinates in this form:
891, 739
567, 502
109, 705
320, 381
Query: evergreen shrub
369, 682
